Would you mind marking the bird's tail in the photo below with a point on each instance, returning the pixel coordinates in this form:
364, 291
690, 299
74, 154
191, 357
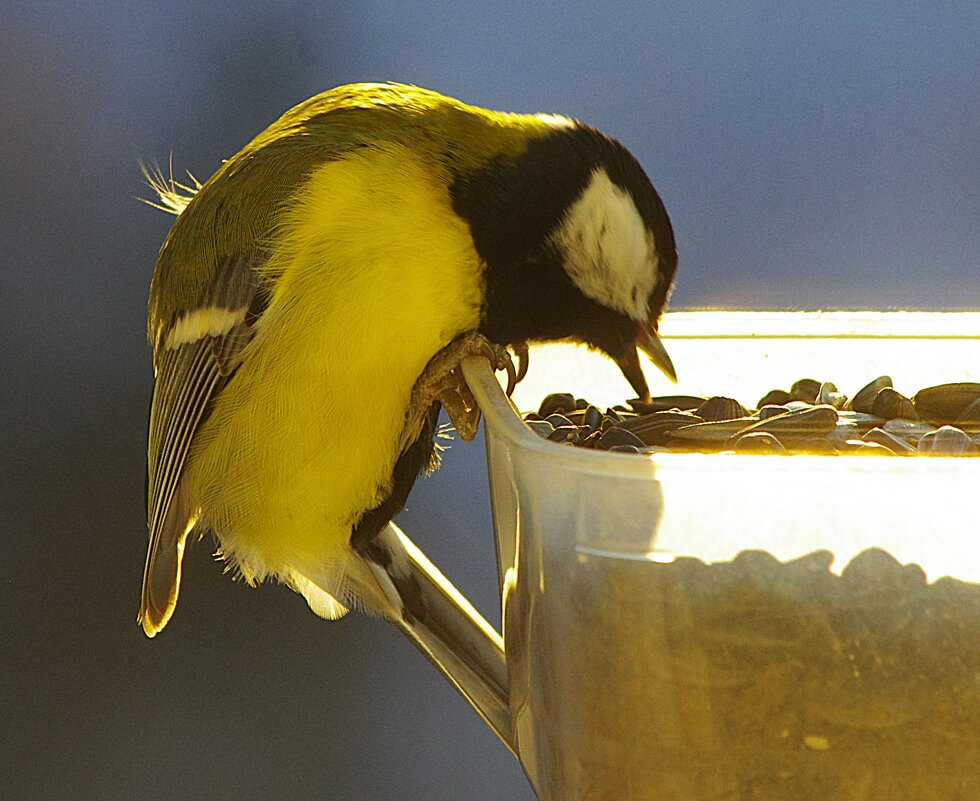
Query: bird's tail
443, 625
161, 572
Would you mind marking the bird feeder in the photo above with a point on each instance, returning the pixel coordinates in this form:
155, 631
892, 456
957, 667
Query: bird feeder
732, 626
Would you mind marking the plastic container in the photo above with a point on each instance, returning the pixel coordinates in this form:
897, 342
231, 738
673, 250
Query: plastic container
693, 627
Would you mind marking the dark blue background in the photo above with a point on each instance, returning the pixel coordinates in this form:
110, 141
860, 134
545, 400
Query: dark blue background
810, 155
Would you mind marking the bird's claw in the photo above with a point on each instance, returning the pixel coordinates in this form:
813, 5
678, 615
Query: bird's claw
442, 381
521, 351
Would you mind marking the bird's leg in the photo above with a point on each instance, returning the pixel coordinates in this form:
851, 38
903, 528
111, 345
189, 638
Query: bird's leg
442, 381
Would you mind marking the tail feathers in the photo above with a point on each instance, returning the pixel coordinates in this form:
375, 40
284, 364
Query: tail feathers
161, 574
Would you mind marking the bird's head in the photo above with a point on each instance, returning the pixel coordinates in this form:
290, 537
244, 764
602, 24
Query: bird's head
578, 247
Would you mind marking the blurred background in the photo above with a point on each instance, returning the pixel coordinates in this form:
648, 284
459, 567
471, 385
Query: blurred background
810, 155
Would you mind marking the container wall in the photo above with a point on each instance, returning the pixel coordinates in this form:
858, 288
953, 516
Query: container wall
732, 627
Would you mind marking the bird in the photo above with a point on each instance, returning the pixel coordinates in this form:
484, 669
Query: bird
312, 301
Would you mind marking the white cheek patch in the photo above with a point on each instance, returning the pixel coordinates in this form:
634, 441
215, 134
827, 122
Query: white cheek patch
607, 250
210, 321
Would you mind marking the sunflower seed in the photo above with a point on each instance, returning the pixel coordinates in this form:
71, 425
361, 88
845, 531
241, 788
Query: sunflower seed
720, 408
718, 431
859, 419
758, 442
970, 416
864, 400
820, 446
866, 448
591, 418
806, 389
556, 402
830, 395
771, 410
947, 441
657, 419
890, 404
618, 436
946, 402
665, 403
623, 449
888, 440
846, 430
774, 397
563, 434
909, 430
540, 427
813, 421
611, 415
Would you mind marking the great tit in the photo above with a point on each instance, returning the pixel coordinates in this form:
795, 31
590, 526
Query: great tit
304, 288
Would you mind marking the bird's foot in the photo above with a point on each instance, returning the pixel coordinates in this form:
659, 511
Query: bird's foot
442, 381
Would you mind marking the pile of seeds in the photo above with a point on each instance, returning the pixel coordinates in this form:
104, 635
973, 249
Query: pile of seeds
812, 417
784, 680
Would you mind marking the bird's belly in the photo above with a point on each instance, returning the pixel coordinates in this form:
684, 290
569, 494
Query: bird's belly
304, 438
296, 463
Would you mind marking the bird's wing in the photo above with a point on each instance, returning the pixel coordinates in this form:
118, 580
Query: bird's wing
195, 354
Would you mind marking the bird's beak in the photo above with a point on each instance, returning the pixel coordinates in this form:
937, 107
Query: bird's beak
648, 341
629, 361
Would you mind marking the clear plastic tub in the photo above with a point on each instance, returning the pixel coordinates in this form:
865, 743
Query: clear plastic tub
693, 627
